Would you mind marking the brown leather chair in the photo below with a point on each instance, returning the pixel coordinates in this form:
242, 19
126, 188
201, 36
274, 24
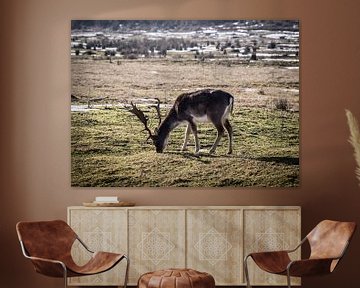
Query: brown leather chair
48, 245
328, 242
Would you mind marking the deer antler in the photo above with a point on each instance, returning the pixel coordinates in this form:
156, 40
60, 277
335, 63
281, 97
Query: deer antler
141, 116
157, 107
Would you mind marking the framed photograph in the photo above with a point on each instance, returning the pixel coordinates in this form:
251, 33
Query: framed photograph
185, 103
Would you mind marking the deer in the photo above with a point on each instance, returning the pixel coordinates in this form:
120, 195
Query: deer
206, 105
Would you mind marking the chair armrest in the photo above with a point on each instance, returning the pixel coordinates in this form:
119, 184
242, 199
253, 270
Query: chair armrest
281, 251
309, 267
268, 253
46, 260
84, 245
49, 267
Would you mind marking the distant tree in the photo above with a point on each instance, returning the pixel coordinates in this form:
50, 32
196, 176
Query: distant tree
253, 54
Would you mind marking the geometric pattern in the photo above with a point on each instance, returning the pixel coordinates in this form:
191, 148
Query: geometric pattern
270, 229
156, 241
155, 246
215, 243
101, 230
269, 241
98, 240
213, 246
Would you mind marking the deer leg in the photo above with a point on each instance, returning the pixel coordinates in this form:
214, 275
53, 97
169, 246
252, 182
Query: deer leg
194, 130
186, 138
220, 133
230, 134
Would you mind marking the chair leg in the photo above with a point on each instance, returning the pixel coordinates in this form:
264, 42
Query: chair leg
246, 270
288, 278
127, 271
65, 276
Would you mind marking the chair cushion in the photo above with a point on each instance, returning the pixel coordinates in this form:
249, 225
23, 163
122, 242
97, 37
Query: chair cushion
176, 278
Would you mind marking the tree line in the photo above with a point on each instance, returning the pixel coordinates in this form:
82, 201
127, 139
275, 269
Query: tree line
180, 25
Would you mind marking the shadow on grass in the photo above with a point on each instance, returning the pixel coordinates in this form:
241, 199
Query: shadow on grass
203, 157
281, 160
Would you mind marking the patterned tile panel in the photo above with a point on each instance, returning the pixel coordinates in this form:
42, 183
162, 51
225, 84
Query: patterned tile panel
214, 241
157, 240
213, 246
270, 230
156, 246
100, 230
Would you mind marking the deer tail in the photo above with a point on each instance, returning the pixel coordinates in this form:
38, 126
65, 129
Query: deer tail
231, 104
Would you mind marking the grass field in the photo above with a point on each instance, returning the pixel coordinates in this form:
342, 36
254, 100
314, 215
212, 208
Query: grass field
108, 143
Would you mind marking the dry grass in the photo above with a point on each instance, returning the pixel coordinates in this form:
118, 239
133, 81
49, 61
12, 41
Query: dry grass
253, 85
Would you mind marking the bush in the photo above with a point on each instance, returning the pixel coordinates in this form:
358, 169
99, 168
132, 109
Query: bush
282, 104
89, 53
110, 53
131, 56
272, 45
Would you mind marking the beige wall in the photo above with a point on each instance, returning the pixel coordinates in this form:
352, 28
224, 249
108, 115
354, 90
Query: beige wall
35, 117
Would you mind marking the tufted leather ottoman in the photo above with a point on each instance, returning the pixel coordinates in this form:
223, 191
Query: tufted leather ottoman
176, 278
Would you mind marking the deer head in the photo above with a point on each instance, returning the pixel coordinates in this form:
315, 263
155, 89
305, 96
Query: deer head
144, 119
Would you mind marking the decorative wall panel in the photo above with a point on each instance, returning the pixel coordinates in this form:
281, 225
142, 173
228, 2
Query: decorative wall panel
214, 241
156, 240
269, 230
101, 230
